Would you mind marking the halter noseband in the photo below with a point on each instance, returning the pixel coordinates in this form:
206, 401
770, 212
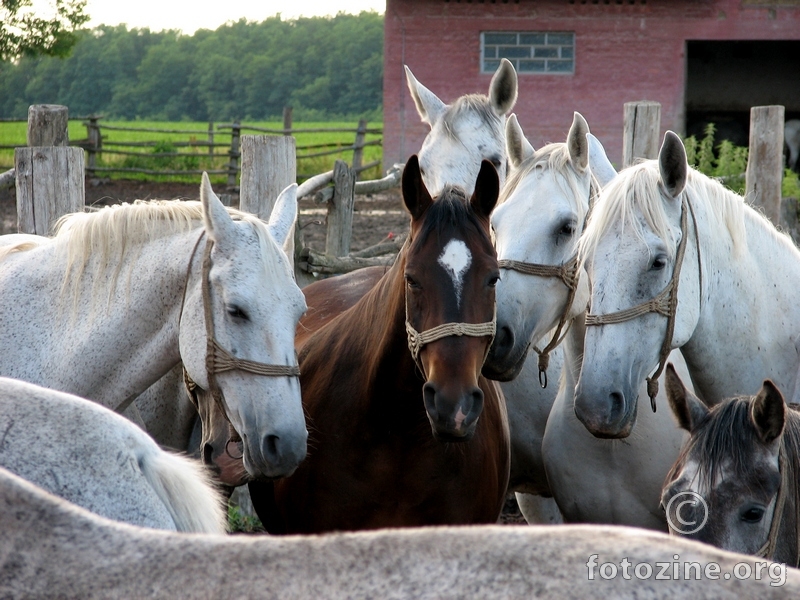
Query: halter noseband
416, 339
219, 360
568, 273
665, 303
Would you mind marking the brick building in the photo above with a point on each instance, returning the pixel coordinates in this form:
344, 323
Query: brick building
701, 59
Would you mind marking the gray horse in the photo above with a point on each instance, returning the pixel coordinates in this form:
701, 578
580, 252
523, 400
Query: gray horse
51, 548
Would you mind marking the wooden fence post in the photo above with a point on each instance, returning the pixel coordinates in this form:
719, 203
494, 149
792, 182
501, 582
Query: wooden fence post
234, 154
765, 160
211, 140
50, 179
641, 129
269, 164
95, 139
358, 145
48, 125
287, 120
340, 210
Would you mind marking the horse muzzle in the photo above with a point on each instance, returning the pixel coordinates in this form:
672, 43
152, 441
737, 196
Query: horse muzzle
273, 455
453, 416
606, 414
506, 358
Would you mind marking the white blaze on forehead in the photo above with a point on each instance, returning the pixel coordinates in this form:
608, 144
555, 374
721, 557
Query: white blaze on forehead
455, 259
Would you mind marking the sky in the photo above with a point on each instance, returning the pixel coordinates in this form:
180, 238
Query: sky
189, 16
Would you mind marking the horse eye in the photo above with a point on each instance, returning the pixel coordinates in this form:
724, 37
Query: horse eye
493, 280
411, 283
753, 514
659, 262
237, 313
567, 229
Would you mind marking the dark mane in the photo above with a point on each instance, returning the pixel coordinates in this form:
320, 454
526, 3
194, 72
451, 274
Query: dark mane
727, 436
451, 210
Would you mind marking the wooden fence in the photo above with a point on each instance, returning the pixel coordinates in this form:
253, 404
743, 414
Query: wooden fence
221, 145
269, 164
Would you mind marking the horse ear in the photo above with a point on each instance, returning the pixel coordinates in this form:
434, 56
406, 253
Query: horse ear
517, 145
218, 223
503, 88
601, 167
415, 195
672, 164
284, 214
685, 406
429, 107
487, 189
768, 412
577, 143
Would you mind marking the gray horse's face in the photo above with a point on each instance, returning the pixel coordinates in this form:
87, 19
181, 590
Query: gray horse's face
464, 133
724, 488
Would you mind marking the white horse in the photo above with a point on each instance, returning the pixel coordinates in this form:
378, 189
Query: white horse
49, 547
791, 137
737, 319
464, 133
119, 297
84, 453
537, 225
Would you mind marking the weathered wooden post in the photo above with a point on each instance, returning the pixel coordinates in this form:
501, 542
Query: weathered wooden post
287, 120
641, 129
233, 155
49, 178
269, 164
358, 146
95, 140
340, 210
765, 160
211, 140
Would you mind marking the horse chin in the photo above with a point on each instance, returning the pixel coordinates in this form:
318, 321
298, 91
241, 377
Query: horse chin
450, 437
505, 369
615, 431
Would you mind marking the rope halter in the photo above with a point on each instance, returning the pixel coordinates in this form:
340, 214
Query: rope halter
568, 273
219, 360
417, 340
768, 549
665, 303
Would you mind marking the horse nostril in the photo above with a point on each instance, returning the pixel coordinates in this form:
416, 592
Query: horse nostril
271, 447
503, 341
617, 402
429, 396
208, 454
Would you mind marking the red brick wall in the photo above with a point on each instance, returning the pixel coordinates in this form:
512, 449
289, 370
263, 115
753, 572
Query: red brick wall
625, 50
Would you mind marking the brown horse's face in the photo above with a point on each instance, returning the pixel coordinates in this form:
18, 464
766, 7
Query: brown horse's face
450, 275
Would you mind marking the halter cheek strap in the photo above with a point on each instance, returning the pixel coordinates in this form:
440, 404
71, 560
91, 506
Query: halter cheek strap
665, 303
568, 273
219, 360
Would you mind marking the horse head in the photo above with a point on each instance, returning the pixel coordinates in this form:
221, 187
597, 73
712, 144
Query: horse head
237, 331
725, 487
464, 133
536, 227
450, 277
633, 250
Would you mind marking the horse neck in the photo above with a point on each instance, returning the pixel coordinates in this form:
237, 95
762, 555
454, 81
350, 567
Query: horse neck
153, 282
748, 313
573, 353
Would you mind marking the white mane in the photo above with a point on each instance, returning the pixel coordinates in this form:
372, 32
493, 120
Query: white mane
638, 188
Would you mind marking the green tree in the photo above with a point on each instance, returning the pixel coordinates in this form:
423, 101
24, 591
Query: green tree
22, 33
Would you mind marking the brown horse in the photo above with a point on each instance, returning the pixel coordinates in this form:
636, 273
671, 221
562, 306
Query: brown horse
399, 440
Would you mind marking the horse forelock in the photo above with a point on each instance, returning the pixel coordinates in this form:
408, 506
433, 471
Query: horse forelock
637, 189
477, 104
451, 211
727, 439
556, 158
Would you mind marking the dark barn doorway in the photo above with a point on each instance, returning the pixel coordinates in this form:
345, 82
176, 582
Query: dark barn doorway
726, 78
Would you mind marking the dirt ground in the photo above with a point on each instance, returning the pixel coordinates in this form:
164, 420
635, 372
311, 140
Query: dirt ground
375, 217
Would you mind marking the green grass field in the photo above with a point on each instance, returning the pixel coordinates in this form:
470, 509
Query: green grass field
14, 134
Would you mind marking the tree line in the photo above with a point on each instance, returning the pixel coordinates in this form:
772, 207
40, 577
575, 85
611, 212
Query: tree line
324, 67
